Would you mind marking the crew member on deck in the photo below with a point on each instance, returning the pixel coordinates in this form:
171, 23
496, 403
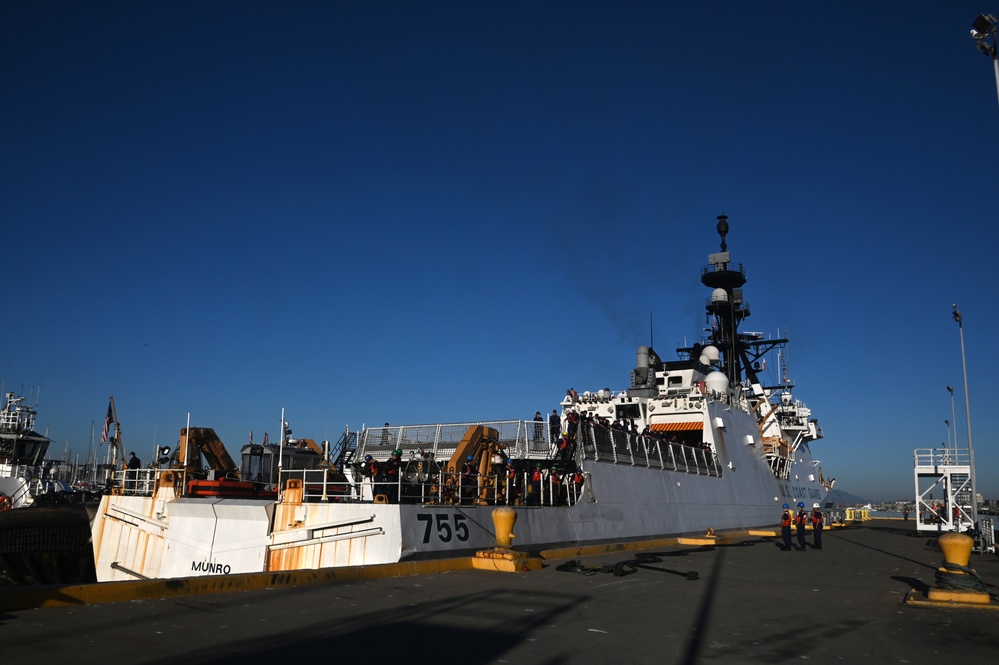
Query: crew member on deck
133, 472
785, 528
391, 469
800, 519
554, 428
817, 523
468, 480
372, 470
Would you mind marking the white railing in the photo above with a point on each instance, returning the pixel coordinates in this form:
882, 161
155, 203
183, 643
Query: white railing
139, 482
445, 488
522, 439
930, 457
619, 447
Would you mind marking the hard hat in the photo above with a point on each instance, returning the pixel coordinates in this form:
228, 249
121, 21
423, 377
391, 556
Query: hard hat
815, 505
801, 505
469, 458
785, 506
367, 458
397, 451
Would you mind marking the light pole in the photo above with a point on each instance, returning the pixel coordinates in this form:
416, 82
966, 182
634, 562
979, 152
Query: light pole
983, 29
967, 408
953, 417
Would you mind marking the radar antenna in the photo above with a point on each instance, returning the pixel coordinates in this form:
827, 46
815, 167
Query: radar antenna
723, 231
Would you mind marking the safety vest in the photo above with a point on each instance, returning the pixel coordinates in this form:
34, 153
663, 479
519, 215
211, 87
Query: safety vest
801, 517
817, 517
785, 519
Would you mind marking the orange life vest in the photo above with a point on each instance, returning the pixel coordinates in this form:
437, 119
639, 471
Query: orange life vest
785, 519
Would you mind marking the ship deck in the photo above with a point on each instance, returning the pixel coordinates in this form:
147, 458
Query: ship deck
750, 603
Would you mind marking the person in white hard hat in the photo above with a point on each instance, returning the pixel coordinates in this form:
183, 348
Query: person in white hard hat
817, 523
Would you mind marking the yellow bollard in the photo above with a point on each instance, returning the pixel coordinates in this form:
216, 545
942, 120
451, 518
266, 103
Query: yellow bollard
954, 586
503, 521
501, 557
956, 548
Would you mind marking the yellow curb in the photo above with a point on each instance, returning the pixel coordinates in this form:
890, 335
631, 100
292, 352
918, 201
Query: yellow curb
959, 600
21, 598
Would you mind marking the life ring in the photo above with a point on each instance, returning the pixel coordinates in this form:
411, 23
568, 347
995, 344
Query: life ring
5, 503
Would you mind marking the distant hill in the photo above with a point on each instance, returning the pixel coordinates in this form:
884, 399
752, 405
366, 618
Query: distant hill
840, 498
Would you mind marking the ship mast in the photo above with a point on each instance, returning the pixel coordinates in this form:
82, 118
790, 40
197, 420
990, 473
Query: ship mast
726, 303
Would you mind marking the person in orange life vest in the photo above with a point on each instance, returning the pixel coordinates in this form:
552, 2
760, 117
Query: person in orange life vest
572, 426
785, 528
800, 519
817, 523
534, 498
373, 470
512, 483
577, 483
391, 470
566, 449
468, 480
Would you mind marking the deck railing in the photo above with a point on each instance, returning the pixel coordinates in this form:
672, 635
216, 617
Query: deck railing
928, 457
620, 447
446, 489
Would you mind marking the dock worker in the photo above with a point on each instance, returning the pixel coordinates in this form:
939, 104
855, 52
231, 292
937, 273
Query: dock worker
554, 428
818, 521
785, 527
800, 520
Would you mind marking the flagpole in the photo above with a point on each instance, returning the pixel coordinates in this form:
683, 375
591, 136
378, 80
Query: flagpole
117, 435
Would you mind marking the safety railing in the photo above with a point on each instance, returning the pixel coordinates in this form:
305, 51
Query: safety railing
620, 447
549, 488
520, 438
138, 482
930, 457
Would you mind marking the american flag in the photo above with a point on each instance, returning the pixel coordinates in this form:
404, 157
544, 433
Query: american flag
251, 437
265, 438
107, 425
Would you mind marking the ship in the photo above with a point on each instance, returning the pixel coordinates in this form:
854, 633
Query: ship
699, 444
22, 454
44, 522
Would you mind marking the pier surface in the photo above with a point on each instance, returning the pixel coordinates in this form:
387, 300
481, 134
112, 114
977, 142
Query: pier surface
751, 602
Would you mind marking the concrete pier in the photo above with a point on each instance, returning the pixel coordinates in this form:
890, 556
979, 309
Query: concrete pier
748, 602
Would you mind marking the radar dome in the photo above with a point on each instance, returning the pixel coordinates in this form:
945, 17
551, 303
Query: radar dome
716, 381
719, 295
712, 354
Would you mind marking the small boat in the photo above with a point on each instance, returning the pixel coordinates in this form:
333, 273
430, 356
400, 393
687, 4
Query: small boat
693, 445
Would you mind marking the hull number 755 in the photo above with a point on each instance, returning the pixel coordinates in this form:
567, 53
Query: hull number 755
445, 526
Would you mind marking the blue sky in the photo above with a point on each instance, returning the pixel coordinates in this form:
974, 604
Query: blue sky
450, 211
